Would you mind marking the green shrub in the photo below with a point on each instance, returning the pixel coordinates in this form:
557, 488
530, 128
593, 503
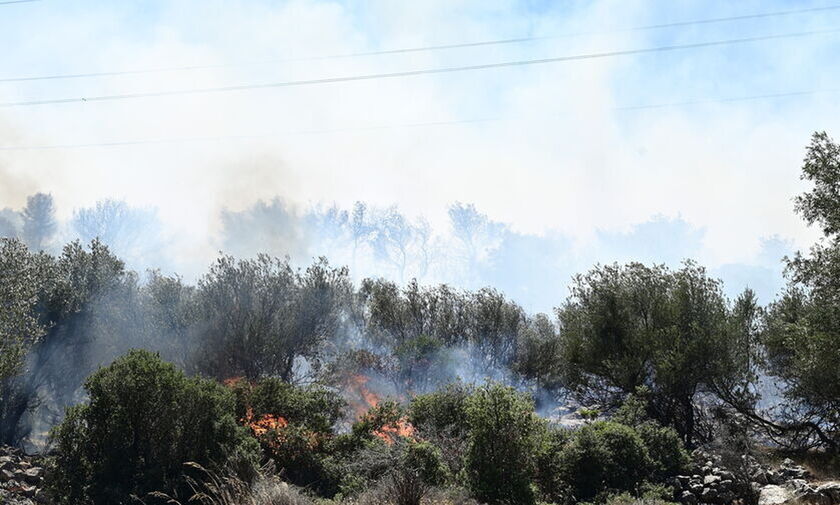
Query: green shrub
663, 443
294, 427
603, 456
425, 459
443, 411
315, 407
628, 499
144, 420
552, 487
665, 448
503, 441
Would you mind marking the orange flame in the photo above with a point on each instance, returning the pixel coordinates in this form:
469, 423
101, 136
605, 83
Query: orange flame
265, 423
391, 432
365, 399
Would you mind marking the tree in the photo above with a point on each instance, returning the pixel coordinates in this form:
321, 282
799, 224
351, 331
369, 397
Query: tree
802, 328
133, 233
672, 331
10, 223
90, 307
39, 224
22, 275
260, 315
503, 439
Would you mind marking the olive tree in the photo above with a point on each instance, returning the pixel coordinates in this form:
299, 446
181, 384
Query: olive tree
802, 328
260, 315
21, 277
672, 331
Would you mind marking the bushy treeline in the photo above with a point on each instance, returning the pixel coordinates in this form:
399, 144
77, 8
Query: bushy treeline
285, 340
145, 418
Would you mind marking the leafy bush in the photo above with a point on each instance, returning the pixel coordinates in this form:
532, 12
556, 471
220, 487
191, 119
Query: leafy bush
663, 443
293, 425
548, 477
144, 420
425, 459
503, 441
603, 456
443, 411
628, 499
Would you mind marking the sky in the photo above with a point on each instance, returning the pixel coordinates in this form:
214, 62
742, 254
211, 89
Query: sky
566, 148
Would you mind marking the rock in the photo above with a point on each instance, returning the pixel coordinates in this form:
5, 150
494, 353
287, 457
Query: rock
6, 475
772, 494
684, 480
696, 488
28, 491
811, 496
727, 475
688, 498
33, 475
774, 478
760, 476
708, 495
727, 497
830, 489
797, 484
711, 480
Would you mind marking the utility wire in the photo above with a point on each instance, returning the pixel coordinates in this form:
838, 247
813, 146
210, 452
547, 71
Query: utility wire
7, 2
410, 73
630, 108
440, 47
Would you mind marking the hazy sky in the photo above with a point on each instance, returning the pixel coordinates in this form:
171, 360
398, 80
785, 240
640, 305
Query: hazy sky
566, 158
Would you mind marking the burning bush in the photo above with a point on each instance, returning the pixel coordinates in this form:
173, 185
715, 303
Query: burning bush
144, 420
293, 424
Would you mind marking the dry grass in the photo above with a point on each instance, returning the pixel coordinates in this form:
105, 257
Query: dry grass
212, 488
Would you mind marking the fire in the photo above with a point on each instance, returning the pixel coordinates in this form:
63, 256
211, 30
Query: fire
363, 399
391, 432
266, 423
232, 381
366, 399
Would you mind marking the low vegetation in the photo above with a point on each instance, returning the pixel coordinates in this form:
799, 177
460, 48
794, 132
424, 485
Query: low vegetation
264, 384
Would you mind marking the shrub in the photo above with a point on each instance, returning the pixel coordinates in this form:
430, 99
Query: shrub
441, 418
603, 456
628, 499
548, 478
425, 459
144, 420
663, 443
294, 426
503, 441
315, 407
444, 410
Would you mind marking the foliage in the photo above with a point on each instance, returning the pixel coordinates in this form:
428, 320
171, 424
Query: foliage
293, 424
278, 316
143, 421
802, 328
603, 456
444, 410
673, 331
39, 224
663, 444
22, 277
503, 439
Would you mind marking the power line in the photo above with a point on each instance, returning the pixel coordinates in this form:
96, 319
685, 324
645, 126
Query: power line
410, 73
629, 108
440, 47
7, 2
